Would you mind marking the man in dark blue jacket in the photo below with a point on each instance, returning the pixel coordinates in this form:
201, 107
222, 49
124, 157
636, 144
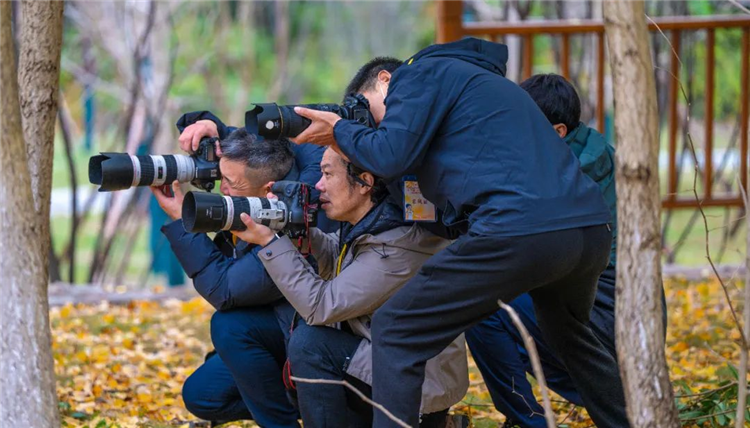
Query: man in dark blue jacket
249, 329
485, 155
496, 343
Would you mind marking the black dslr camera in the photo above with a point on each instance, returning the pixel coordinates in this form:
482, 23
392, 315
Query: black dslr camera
275, 121
118, 171
291, 213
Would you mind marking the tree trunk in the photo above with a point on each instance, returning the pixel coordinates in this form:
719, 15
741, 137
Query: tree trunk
28, 397
639, 338
38, 83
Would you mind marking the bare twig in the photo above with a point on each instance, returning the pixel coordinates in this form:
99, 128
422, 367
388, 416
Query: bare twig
65, 128
702, 212
709, 392
742, 370
536, 364
359, 393
712, 415
740, 6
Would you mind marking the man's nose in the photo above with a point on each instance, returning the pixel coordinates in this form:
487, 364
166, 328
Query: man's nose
319, 185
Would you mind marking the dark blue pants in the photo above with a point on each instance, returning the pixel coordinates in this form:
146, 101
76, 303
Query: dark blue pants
244, 381
460, 286
319, 352
498, 349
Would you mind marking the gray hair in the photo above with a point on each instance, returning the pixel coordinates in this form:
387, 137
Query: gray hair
265, 159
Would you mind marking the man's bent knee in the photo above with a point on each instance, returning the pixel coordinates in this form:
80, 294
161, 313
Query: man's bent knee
197, 401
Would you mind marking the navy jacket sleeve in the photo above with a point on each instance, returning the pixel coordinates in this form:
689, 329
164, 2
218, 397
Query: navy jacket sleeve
188, 119
414, 113
225, 282
307, 157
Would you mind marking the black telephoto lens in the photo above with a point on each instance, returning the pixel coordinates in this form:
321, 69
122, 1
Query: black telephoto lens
204, 212
111, 171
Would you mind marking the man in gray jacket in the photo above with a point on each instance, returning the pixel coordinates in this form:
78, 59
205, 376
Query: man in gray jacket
374, 254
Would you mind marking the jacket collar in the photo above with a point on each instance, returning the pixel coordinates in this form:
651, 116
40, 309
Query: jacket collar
384, 216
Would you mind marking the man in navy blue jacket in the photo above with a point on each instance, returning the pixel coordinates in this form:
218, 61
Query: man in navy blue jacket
485, 155
249, 329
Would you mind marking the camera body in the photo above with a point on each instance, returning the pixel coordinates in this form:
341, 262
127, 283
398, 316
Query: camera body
119, 171
291, 213
206, 165
280, 121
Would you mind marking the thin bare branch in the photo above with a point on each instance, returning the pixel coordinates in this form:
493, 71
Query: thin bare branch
536, 364
359, 393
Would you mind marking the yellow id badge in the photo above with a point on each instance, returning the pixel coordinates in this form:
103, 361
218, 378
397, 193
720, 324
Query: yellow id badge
416, 206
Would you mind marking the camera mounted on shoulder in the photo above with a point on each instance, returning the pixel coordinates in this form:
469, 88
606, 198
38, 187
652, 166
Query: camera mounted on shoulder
276, 121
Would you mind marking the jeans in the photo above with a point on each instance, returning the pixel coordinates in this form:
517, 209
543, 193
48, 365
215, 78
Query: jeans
461, 285
244, 381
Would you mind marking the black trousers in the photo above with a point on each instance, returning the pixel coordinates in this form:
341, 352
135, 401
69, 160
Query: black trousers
461, 285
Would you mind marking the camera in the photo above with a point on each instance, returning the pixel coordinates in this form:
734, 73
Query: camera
119, 171
291, 213
275, 121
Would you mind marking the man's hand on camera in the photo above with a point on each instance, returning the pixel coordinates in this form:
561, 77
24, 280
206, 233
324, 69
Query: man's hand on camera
171, 205
255, 233
320, 131
192, 135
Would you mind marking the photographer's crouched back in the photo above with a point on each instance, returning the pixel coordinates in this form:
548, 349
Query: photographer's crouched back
360, 267
244, 380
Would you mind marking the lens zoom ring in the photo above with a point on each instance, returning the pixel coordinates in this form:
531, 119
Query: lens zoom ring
171, 163
241, 205
147, 170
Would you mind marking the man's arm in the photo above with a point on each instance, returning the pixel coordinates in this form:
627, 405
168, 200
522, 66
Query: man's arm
325, 247
188, 119
225, 282
358, 290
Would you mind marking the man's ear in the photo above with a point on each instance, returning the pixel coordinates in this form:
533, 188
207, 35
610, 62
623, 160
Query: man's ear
267, 187
561, 129
370, 180
384, 76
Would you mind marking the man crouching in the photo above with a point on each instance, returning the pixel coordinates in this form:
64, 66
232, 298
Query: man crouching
374, 254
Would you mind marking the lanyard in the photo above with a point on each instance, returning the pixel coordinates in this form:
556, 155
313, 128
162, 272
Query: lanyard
341, 259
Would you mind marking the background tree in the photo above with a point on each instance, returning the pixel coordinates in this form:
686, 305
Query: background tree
28, 395
639, 325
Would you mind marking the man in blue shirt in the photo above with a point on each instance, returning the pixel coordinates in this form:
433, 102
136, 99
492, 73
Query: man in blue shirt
243, 379
531, 221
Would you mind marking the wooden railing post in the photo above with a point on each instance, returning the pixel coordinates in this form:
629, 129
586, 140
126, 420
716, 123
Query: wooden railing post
709, 119
449, 20
673, 119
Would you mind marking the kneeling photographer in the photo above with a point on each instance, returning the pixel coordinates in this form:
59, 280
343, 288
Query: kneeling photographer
375, 253
244, 381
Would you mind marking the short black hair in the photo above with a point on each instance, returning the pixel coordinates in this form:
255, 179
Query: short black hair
268, 160
379, 188
556, 97
365, 78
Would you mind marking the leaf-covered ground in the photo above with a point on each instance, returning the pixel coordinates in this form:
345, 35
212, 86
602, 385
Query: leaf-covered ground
124, 365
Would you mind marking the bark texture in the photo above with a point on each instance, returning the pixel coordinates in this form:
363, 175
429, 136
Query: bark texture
640, 343
28, 397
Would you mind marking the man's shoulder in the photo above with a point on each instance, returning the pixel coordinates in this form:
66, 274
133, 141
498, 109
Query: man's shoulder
407, 238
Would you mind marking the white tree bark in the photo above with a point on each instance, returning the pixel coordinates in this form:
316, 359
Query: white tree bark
28, 397
639, 338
